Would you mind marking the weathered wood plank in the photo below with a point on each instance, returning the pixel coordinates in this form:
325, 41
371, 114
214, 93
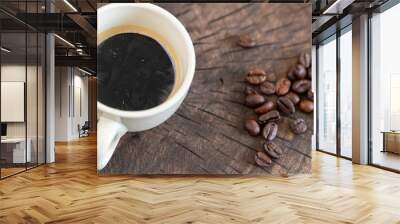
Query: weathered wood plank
206, 134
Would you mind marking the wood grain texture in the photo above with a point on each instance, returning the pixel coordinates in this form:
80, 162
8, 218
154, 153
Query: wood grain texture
70, 191
206, 135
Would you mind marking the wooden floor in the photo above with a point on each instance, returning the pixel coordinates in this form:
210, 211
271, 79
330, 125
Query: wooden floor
70, 191
10, 171
387, 159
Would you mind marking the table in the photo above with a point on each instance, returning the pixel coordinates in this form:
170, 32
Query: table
391, 141
18, 149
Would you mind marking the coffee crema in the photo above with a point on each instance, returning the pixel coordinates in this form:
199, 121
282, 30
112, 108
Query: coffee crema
134, 71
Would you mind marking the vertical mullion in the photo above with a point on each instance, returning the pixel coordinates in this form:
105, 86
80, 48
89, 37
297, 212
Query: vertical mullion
338, 94
26, 86
37, 90
45, 89
369, 78
317, 95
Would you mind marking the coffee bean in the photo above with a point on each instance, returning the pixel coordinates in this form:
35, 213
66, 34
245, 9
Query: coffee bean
271, 116
282, 86
246, 41
273, 150
270, 130
267, 88
291, 75
250, 90
254, 100
293, 97
309, 73
265, 108
262, 159
301, 86
298, 126
305, 59
306, 106
271, 77
310, 95
256, 76
252, 127
285, 105
300, 71
257, 71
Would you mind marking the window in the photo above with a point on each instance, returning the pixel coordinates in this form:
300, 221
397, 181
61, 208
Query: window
346, 92
385, 89
327, 96
334, 109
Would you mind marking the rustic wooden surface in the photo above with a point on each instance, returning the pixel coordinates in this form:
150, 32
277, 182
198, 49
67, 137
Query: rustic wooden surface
206, 135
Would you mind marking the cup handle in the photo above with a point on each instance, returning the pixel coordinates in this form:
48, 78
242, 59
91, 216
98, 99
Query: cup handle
109, 132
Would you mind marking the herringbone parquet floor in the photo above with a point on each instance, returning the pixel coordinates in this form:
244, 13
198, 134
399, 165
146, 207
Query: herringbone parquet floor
70, 191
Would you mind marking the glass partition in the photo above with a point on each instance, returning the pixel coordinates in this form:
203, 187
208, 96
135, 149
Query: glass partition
41, 111
13, 94
23, 90
326, 107
346, 93
385, 89
32, 96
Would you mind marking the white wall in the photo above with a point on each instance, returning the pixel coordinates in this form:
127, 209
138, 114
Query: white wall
12, 73
61, 103
70, 84
33, 127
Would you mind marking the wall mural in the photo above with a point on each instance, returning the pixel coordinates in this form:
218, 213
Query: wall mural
207, 88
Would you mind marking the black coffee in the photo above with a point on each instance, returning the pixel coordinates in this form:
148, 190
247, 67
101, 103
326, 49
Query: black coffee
134, 72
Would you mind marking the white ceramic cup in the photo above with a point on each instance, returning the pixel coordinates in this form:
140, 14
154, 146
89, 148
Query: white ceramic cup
114, 123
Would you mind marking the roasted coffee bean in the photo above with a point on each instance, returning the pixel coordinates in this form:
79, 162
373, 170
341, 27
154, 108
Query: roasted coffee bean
298, 126
306, 106
267, 88
301, 86
254, 100
265, 108
300, 71
310, 95
250, 90
252, 127
273, 150
291, 75
262, 159
256, 76
309, 73
285, 105
305, 59
271, 77
282, 86
293, 97
246, 41
270, 130
271, 116
257, 71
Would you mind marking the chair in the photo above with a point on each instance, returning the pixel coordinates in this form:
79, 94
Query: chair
84, 130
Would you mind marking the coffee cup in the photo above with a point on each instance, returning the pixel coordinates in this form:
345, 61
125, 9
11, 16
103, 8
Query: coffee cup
113, 123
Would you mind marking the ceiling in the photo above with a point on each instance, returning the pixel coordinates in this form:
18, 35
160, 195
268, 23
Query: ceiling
72, 20
75, 22
330, 15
